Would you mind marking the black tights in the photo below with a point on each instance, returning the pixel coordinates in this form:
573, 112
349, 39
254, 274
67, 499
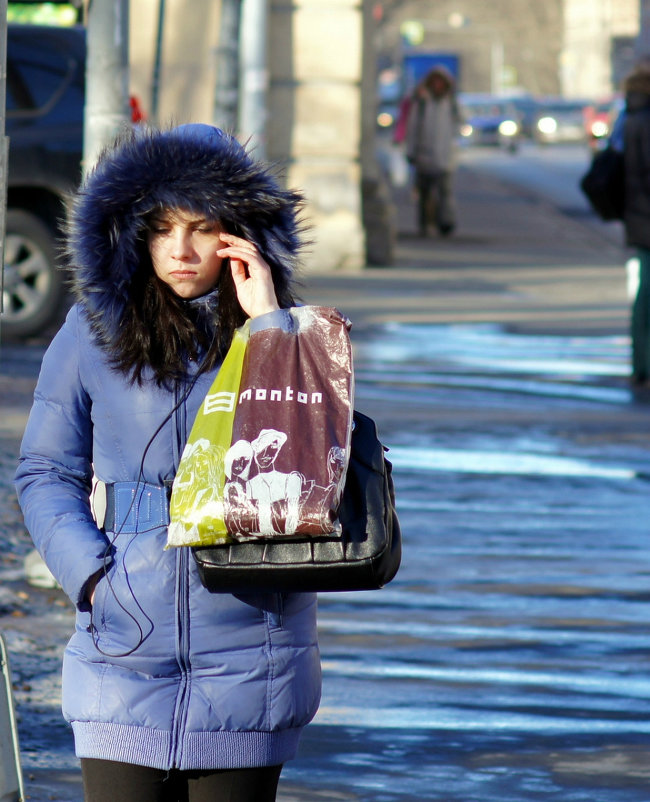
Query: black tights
108, 781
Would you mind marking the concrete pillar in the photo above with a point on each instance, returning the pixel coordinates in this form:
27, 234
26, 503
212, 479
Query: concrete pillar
188, 58
379, 215
107, 75
314, 125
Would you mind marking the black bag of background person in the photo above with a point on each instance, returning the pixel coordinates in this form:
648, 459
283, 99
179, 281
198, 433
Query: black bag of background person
365, 556
604, 184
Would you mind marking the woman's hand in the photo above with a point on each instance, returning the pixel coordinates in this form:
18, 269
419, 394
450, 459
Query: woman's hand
251, 274
91, 585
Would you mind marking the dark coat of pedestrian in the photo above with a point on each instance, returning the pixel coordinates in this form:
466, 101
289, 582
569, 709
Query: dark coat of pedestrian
173, 693
636, 150
431, 134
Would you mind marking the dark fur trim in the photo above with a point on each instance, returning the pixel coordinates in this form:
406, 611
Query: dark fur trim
194, 167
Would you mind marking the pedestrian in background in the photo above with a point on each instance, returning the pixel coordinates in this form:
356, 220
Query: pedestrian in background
431, 133
173, 693
636, 158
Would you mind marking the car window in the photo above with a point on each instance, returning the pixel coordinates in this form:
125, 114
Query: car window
488, 110
37, 78
17, 94
560, 108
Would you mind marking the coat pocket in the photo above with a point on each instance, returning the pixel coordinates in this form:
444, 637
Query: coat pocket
270, 606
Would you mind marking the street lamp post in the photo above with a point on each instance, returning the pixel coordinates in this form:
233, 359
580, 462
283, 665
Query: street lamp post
226, 96
254, 77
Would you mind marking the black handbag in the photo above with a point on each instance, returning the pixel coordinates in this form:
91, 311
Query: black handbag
365, 557
604, 184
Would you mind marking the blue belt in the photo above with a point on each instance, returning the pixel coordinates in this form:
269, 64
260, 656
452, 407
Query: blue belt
136, 506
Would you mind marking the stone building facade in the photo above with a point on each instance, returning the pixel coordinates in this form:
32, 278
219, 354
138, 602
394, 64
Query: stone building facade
576, 48
500, 44
321, 83
599, 45
316, 56
314, 121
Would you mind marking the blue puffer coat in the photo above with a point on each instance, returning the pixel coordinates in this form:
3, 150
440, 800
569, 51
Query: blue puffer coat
168, 675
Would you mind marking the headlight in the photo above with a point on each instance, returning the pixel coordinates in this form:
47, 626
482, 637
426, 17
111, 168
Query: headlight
547, 125
599, 128
466, 130
385, 119
508, 128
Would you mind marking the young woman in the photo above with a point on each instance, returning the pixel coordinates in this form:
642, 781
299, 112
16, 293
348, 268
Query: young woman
173, 693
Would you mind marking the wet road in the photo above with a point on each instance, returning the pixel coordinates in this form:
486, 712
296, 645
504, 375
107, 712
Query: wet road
508, 661
553, 173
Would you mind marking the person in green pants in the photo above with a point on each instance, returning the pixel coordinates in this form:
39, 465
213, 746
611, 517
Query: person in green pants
636, 155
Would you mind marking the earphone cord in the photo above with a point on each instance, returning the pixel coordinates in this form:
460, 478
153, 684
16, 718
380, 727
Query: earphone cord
149, 623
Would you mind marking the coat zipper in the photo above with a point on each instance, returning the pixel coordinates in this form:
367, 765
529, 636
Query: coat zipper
182, 704
179, 428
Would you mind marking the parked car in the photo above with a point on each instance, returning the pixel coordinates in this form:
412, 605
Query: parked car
560, 120
526, 107
489, 120
44, 122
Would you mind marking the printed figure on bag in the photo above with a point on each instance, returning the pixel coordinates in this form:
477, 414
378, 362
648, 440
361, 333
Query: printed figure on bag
240, 511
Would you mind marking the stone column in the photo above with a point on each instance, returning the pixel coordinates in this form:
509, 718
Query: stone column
314, 123
379, 215
189, 50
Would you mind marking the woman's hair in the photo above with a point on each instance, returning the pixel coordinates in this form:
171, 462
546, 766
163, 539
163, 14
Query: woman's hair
438, 80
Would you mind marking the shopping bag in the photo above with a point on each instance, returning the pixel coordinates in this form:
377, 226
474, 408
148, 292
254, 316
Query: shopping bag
268, 452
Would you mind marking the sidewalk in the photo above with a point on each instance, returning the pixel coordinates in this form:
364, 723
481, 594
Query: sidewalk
513, 259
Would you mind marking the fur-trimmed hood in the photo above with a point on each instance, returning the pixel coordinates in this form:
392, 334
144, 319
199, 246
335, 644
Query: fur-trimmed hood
196, 167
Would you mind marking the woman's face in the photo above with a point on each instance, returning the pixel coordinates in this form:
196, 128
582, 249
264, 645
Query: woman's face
183, 248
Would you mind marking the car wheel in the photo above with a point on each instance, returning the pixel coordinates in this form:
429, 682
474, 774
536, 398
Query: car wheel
33, 285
